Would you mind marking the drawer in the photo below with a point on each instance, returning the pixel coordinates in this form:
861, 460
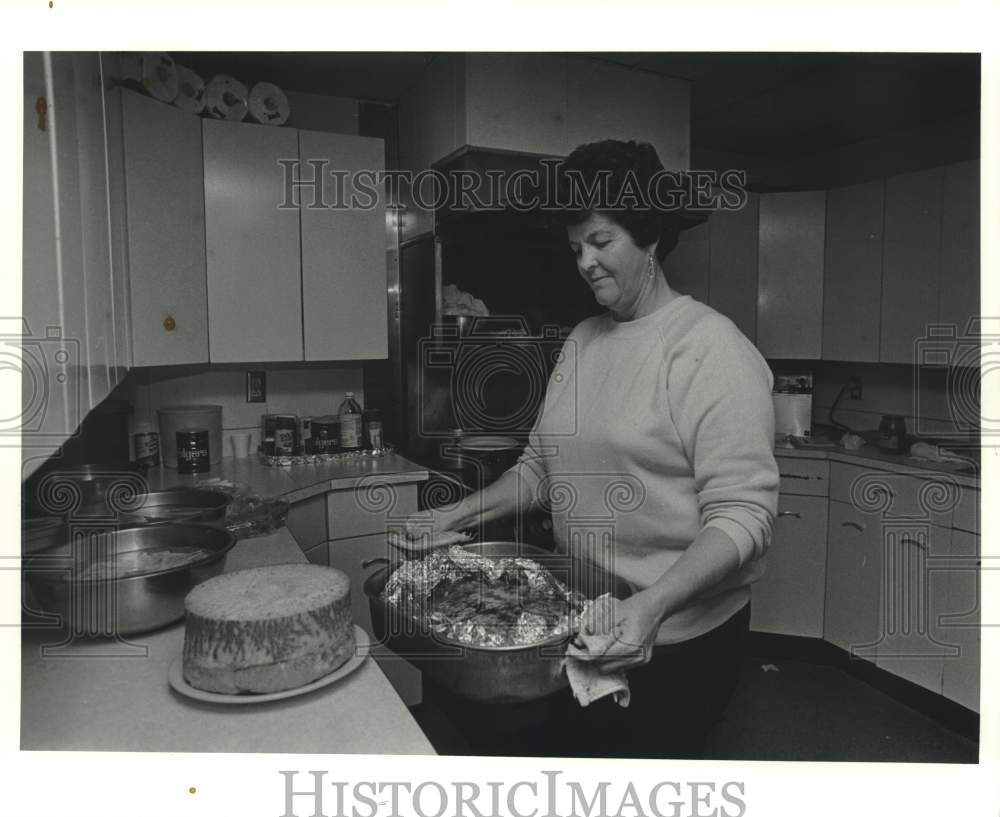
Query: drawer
966, 516
893, 495
366, 510
804, 477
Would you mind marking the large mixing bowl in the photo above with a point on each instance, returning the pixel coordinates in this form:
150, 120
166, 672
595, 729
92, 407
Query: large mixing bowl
64, 582
499, 675
183, 505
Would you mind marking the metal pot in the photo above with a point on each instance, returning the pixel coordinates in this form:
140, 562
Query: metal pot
482, 458
486, 674
58, 489
128, 604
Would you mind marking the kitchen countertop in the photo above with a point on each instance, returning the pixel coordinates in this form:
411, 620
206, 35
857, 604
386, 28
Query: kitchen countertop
92, 702
869, 455
295, 482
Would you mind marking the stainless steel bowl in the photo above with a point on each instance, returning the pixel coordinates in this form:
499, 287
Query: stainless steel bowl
104, 607
182, 505
42, 533
58, 489
487, 674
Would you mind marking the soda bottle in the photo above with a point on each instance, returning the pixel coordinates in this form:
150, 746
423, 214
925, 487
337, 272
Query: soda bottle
351, 429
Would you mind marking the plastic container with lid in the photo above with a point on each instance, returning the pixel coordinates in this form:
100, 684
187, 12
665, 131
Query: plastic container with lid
176, 418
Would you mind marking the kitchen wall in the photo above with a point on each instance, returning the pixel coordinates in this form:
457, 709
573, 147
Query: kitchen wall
945, 402
305, 390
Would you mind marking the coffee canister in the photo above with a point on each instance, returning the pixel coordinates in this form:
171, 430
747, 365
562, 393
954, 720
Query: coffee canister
326, 434
286, 432
192, 451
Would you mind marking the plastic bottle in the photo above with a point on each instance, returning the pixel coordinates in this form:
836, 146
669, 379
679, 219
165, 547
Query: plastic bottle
351, 430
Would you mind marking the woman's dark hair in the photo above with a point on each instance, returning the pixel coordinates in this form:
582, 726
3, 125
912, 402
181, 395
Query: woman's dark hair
632, 172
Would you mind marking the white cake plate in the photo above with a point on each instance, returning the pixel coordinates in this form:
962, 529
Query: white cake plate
176, 679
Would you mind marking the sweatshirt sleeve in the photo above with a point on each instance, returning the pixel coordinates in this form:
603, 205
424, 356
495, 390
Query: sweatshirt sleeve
719, 392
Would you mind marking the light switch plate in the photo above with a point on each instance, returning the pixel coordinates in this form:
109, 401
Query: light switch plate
256, 387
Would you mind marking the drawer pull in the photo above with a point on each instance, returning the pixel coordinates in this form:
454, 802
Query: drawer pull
796, 476
909, 540
169, 324
796, 514
856, 525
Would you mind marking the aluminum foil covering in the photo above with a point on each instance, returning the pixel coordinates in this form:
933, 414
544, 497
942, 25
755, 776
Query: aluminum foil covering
539, 607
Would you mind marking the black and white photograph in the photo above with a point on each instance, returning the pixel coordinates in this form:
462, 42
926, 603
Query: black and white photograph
549, 404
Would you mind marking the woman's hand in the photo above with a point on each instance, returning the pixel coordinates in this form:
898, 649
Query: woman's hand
620, 634
428, 530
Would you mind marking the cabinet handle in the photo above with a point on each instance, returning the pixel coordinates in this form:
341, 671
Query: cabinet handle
169, 324
796, 476
856, 525
796, 514
909, 540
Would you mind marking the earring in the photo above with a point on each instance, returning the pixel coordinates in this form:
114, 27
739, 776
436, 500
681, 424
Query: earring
649, 269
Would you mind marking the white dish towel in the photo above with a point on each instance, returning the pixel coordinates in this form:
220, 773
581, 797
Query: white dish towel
585, 679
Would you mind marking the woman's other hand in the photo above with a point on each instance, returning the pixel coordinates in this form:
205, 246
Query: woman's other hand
428, 530
618, 635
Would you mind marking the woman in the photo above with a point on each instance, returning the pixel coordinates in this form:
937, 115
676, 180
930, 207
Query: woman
663, 397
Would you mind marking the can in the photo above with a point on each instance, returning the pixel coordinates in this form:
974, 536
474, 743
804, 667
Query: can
326, 434
192, 451
285, 433
147, 448
375, 435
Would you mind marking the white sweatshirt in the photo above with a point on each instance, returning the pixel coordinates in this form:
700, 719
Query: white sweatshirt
652, 429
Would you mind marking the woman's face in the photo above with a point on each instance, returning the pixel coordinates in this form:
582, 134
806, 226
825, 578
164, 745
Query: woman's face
610, 262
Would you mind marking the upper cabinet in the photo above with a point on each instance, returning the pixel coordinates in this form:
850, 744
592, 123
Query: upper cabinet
480, 100
733, 264
911, 262
165, 197
958, 299
344, 296
254, 263
790, 274
852, 273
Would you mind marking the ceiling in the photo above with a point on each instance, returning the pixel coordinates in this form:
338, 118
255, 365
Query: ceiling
755, 104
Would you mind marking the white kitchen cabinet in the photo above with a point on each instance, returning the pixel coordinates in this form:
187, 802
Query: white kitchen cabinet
733, 264
911, 262
851, 619
73, 315
165, 194
913, 597
789, 598
852, 273
958, 298
961, 625
344, 295
687, 266
252, 239
790, 274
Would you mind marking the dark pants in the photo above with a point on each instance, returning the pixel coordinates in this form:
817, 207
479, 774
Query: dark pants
676, 699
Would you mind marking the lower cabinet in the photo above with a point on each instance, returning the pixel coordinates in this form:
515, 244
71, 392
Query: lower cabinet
961, 625
852, 617
788, 599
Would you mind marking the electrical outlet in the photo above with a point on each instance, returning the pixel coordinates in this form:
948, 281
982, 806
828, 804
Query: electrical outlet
256, 387
855, 389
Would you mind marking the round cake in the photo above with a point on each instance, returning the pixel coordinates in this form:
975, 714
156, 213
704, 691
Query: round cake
267, 629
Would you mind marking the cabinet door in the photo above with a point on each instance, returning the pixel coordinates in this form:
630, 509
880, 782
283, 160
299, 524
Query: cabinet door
852, 273
788, 599
961, 625
910, 262
959, 280
253, 258
733, 265
165, 191
913, 597
851, 617
790, 274
687, 266
344, 295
